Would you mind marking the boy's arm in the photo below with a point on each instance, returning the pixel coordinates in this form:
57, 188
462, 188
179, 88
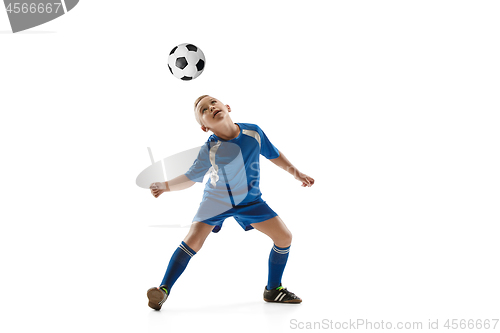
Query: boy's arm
286, 165
178, 183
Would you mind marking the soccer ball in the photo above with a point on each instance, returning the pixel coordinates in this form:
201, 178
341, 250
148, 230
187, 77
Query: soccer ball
186, 61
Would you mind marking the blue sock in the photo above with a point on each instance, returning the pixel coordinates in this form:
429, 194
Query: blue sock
277, 263
177, 265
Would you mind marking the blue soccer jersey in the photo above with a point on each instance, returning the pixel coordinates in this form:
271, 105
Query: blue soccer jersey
234, 168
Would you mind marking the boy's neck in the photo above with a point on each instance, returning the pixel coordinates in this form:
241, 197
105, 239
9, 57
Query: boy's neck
227, 131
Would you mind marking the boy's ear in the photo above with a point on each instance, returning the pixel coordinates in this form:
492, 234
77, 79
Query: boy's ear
228, 108
204, 129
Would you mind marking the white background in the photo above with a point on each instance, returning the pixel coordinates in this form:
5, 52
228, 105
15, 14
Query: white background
392, 106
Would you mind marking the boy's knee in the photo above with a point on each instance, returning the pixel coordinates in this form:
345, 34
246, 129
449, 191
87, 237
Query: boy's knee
197, 235
194, 244
284, 239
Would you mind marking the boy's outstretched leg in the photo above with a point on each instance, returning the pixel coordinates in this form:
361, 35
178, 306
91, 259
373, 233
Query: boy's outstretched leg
282, 238
178, 263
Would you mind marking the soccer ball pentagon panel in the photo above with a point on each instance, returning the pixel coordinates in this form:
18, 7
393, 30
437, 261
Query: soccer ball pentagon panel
186, 61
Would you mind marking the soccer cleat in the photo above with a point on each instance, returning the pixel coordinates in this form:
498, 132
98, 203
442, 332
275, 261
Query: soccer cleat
280, 295
157, 296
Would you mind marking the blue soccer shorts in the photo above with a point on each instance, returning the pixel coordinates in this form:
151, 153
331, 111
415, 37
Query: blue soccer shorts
214, 213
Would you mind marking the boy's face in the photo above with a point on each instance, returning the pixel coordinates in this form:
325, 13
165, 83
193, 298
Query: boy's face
212, 112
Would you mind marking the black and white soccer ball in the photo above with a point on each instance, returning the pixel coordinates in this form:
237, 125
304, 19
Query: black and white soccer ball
186, 61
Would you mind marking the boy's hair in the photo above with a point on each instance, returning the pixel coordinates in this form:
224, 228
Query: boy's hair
197, 114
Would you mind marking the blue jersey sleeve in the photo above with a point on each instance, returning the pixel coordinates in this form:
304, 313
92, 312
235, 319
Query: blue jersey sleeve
267, 149
200, 165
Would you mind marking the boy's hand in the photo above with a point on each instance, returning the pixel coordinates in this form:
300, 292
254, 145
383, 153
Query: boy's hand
158, 188
305, 179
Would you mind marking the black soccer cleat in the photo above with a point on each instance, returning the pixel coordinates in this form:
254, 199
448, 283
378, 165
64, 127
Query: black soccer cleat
157, 296
280, 295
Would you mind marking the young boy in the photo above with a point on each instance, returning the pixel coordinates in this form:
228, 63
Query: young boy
232, 155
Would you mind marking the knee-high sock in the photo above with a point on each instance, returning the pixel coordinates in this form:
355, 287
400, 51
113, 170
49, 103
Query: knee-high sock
277, 263
177, 265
